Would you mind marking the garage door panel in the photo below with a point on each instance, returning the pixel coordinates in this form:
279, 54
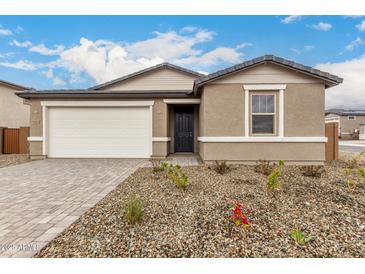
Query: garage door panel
99, 132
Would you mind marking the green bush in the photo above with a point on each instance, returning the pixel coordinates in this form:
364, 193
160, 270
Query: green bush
134, 209
299, 237
273, 182
175, 174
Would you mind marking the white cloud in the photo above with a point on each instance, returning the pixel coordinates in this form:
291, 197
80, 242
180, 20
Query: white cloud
354, 44
291, 19
19, 29
21, 64
7, 55
4, 31
304, 49
169, 45
57, 81
361, 26
104, 60
43, 50
349, 94
107, 60
189, 29
244, 45
218, 55
322, 26
24, 44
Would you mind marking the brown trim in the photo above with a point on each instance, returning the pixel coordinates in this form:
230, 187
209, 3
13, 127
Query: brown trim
94, 95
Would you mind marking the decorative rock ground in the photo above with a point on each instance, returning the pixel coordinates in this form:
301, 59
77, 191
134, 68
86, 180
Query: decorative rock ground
194, 222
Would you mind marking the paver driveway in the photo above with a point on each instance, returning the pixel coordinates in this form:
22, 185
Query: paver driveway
38, 200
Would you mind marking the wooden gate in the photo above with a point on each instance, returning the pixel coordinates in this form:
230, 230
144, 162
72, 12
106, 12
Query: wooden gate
15, 140
332, 141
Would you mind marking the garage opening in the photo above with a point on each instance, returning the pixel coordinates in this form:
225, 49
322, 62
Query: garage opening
99, 132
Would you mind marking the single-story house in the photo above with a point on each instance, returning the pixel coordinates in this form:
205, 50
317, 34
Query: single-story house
266, 108
349, 121
14, 111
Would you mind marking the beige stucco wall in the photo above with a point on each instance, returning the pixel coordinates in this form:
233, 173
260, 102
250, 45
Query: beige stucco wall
161, 79
292, 152
304, 106
160, 127
222, 114
222, 110
13, 112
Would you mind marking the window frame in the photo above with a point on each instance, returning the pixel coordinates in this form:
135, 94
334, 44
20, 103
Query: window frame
348, 118
274, 114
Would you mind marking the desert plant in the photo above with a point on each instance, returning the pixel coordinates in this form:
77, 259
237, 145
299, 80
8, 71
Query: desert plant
273, 182
221, 167
312, 171
134, 209
354, 178
299, 237
353, 161
239, 214
361, 172
264, 167
175, 174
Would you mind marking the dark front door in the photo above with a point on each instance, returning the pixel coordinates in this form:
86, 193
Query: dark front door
184, 130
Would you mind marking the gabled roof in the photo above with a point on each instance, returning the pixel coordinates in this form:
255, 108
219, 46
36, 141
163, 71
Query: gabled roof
16, 86
330, 80
156, 67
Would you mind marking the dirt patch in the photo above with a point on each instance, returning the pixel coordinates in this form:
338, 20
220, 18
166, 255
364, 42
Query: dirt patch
13, 159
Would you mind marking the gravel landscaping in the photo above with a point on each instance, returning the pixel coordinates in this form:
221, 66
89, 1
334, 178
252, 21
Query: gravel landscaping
13, 159
195, 222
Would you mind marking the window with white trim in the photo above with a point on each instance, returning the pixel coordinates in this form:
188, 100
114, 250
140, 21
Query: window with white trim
263, 114
351, 118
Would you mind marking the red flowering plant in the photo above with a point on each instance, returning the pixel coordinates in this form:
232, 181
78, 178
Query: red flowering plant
239, 214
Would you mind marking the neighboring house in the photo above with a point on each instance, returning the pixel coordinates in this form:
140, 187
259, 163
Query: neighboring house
266, 108
349, 121
14, 111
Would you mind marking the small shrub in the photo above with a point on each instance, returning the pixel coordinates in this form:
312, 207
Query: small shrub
354, 178
273, 182
264, 167
239, 214
134, 209
221, 167
361, 172
353, 161
312, 171
299, 237
175, 174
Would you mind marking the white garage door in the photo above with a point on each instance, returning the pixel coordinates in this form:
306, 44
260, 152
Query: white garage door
97, 132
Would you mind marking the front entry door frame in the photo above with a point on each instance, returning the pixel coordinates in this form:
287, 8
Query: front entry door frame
187, 113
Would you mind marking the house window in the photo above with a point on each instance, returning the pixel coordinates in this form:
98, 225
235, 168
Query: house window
263, 114
351, 118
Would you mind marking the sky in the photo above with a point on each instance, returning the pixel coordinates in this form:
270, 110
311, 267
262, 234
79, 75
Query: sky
71, 52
